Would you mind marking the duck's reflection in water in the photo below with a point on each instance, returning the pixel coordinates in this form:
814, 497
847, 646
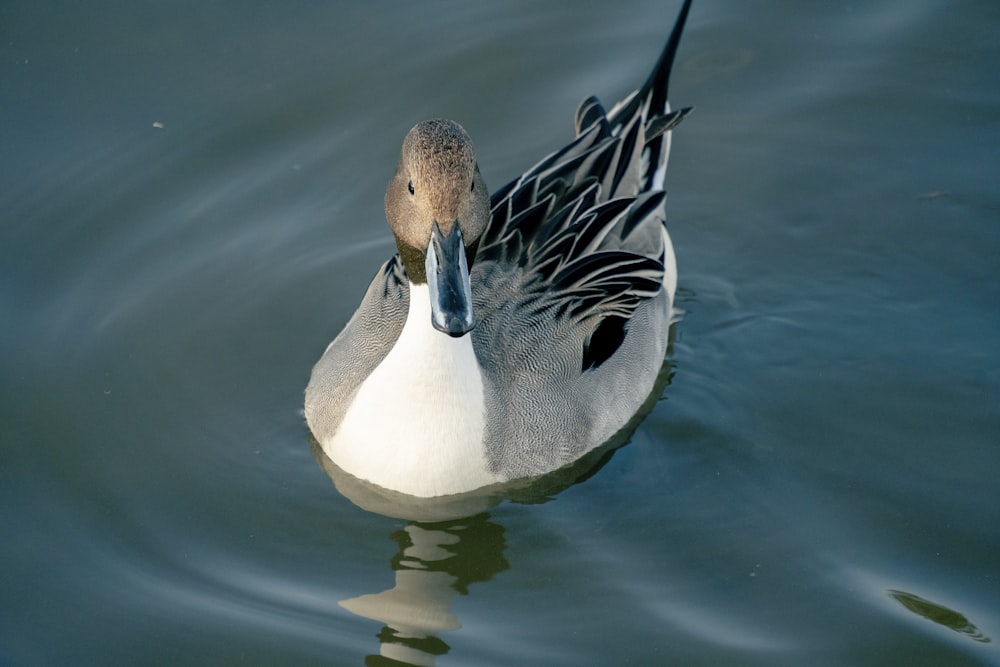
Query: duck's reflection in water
449, 544
435, 563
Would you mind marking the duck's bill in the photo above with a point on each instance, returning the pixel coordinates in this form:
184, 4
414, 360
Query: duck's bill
448, 283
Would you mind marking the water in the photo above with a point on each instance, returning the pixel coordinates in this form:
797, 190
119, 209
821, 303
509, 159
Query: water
192, 206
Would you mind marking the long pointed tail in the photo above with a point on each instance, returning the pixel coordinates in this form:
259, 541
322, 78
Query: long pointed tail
657, 85
650, 103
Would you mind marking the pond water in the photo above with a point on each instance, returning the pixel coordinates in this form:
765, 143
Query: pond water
191, 208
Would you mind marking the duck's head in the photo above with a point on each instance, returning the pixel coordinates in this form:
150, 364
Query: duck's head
438, 207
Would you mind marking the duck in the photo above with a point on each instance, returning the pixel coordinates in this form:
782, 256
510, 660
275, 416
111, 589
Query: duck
511, 334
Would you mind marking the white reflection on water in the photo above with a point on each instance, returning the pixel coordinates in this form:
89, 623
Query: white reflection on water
436, 563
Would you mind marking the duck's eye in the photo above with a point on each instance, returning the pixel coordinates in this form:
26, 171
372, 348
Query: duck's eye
409, 186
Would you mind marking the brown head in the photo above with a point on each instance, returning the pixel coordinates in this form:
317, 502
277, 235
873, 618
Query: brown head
438, 206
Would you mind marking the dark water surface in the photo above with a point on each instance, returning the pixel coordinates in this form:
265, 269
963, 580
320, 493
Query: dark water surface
191, 202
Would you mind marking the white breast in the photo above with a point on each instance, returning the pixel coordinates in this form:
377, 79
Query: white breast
416, 424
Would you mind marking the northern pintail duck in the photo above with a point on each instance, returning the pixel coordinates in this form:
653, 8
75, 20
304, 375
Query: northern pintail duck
510, 335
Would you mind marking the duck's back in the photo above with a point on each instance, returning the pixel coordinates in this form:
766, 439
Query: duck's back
574, 297
574, 283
